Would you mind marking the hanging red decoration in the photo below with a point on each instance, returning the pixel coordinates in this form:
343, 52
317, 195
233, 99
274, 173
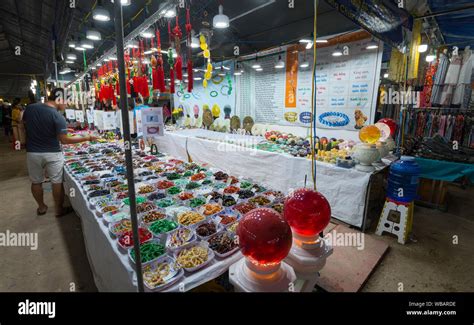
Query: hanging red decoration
189, 29
159, 73
178, 66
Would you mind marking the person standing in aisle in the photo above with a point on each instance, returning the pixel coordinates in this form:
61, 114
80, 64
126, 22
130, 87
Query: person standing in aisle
7, 120
46, 129
16, 121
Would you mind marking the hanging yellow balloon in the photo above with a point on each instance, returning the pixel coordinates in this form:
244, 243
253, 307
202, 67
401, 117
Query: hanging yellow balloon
202, 39
207, 75
216, 111
204, 83
203, 46
209, 66
207, 54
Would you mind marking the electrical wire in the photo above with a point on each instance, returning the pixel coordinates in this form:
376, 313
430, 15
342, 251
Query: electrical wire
313, 102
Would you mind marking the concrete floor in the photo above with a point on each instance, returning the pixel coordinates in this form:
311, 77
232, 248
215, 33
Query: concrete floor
433, 263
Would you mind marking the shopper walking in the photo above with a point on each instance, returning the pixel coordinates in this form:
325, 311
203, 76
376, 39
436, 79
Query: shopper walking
15, 121
46, 129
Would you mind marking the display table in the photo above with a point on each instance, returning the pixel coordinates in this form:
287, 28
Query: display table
443, 170
111, 268
345, 189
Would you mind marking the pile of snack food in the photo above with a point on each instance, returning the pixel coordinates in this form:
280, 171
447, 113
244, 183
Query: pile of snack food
187, 213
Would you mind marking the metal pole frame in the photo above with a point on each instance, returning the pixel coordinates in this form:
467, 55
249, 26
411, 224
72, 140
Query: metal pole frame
118, 20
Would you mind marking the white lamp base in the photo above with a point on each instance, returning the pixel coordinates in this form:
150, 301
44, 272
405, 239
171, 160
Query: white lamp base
248, 277
308, 260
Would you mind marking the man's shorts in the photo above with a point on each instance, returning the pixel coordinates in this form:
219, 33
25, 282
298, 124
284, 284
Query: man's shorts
52, 162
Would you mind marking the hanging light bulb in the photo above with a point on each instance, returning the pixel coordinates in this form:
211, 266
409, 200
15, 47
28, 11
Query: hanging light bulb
71, 43
79, 46
86, 44
133, 44
431, 56
280, 64
337, 51
147, 33
321, 40
372, 45
194, 40
69, 61
93, 35
259, 69
309, 45
304, 64
124, 2
170, 13
305, 40
256, 65
99, 13
422, 48
71, 56
220, 20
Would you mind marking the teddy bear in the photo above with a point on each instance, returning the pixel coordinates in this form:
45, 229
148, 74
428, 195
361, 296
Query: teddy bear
360, 119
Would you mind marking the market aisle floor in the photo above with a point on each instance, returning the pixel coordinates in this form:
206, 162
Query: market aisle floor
60, 262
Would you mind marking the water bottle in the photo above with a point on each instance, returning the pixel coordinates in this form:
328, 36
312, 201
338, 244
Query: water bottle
403, 180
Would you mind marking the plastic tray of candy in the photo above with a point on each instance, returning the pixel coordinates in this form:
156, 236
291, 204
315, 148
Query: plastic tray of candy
171, 236
232, 236
210, 256
175, 273
144, 264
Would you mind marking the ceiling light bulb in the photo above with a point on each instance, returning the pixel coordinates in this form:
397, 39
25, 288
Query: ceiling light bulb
337, 52
100, 14
259, 69
385, 75
72, 44
71, 56
321, 40
132, 44
256, 65
93, 35
220, 20
237, 73
124, 2
147, 34
194, 41
304, 64
422, 48
79, 48
86, 44
305, 40
430, 57
309, 45
170, 13
197, 78
69, 61
372, 45
280, 64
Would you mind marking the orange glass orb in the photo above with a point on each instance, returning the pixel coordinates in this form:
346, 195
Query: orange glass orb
370, 134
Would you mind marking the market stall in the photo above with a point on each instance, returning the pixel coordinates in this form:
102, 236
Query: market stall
346, 189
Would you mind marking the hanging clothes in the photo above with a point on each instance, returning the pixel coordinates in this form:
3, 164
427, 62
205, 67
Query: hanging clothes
438, 81
463, 89
458, 128
442, 125
451, 80
425, 97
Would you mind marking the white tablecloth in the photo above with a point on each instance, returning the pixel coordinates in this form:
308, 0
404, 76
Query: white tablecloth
111, 268
345, 189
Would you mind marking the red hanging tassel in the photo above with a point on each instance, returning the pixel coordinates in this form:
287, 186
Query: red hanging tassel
190, 76
154, 77
161, 78
171, 81
178, 66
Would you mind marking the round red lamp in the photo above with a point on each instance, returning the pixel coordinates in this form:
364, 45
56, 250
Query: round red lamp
264, 236
265, 239
307, 212
391, 124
